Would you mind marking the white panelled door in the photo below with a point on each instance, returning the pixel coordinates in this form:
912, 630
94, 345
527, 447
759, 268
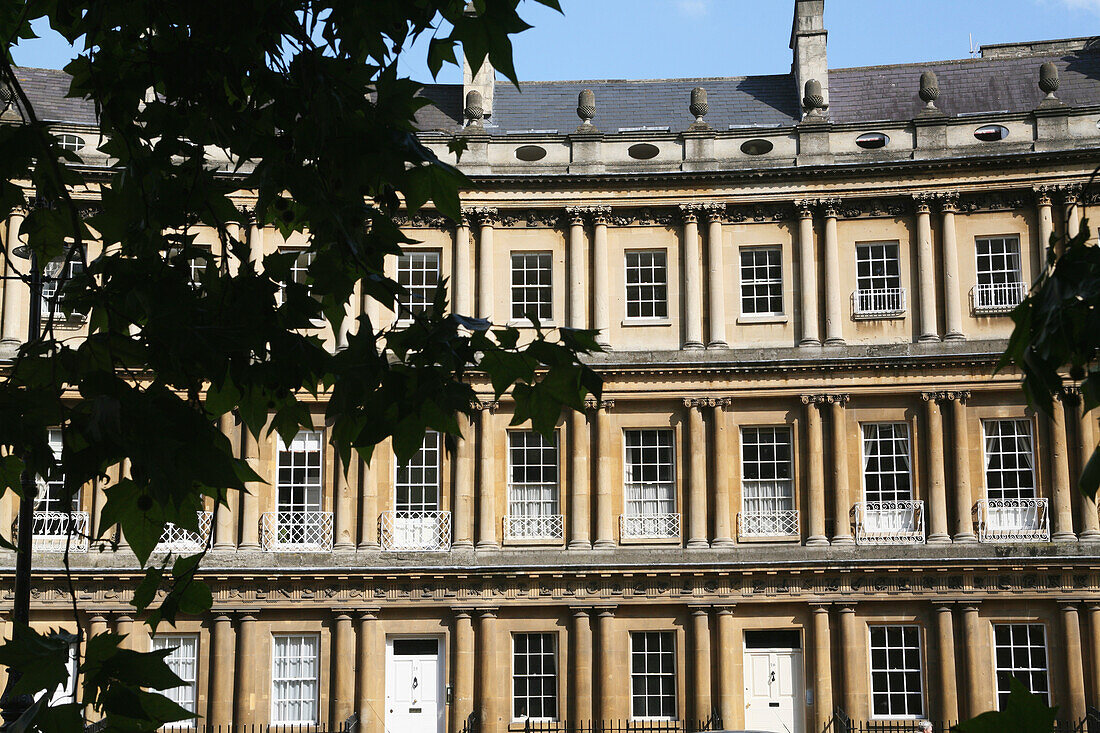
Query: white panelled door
773, 690
414, 685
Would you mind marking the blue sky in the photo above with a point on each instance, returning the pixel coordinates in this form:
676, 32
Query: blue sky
639, 39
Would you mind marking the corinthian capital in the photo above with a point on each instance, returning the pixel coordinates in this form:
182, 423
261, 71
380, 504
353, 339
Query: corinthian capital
484, 215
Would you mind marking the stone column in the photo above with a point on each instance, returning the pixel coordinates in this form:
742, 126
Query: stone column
255, 241
124, 627
964, 502
842, 501
352, 311
1061, 492
250, 500
368, 501
485, 217
834, 303
369, 685
1094, 651
716, 281
723, 535
823, 668
464, 666
244, 707
853, 661
580, 658
580, 503
601, 296
463, 510
1086, 444
926, 273
342, 502
814, 495
693, 279
491, 698
343, 668
605, 520
486, 483
952, 283
700, 643
220, 710
605, 666
462, 280
728, 683
16, 292
975, 677
807, 268
937, 488
947, 685
697, 476
225, 529
577, 267
97, 624
1046, 222
1072, 212
1074, 703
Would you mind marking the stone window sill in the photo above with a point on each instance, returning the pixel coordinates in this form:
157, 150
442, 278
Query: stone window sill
647, 322
524, 323
748, 320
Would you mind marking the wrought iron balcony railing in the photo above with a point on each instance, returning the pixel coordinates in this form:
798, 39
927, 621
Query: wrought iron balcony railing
178, 539
419, 531
536, 527
889, 522
296, 531
997, 297
649, 526
1013, 520
880, 303
777, 523
50, 531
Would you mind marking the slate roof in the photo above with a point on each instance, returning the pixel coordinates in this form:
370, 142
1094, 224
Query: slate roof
46, 89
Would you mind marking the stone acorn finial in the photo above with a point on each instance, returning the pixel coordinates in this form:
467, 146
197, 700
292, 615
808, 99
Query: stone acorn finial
813, 101
1048, 79
929, 89
698, 106
586, 107
475, 108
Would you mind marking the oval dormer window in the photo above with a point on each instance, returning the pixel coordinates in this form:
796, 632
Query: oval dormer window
530, 153
991, 133
756, 147
643, 151
68, 141
873, 140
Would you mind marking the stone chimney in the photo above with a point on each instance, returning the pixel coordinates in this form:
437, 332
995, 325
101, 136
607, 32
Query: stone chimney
480, 81
808, 41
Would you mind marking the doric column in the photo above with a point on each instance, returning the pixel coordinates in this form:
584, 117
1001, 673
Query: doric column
842, 501
343, 671
220, 710
580, 654
463, 509
250, 500
723, 534
926, 272
605, 520
728, 683
937, 489
244, 701
952, 283
823, 667
255, 240
491, 699
716, 281
124, 627
577, 267
852, 661
834, 318
700, 643
1086, 444
601, 296
807, 268
369, 658
605, 665
693, 279
697, 475
976, 679
343, 499
486, 484
368, 523
947, 685
1074, 702
351, 316
485, 217
580, 502
462, 279
1072, 194
1062, 498
464, 666
815, 474
1045, 208
225, 530
1094, 651
16, 292
964, 501
97, 624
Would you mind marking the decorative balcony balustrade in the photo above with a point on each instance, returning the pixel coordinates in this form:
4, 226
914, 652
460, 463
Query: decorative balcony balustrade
420, 531
51, 531
889, 522
541, 527
881, 303
778, 523
296, 531
997, 297
1013, 520
178, 539
649, 526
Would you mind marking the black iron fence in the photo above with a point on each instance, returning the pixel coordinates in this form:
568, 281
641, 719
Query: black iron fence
713, 723
348, 726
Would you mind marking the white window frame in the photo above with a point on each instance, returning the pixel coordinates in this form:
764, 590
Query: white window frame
635, 506
535, 289
907, 456
670, 652
305, 495
299, 270
542, 656
547, 493
184, 655
906, 670
879, 294
987, 458
302, 680
766, 283
51, 273
1027, 651
658, 306
776, 502
51, 488
419, 296
1009, 274
425, 463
